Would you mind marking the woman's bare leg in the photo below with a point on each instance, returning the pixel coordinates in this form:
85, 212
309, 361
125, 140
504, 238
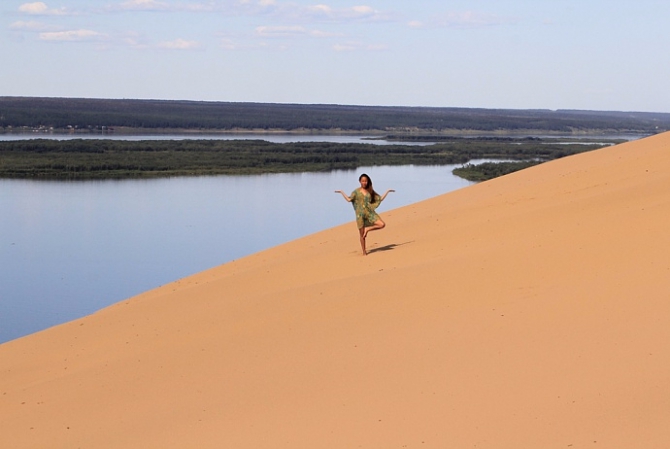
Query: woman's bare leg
361, 231
379, 224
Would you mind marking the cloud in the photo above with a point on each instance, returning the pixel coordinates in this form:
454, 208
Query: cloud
290, 31
376, 47
344, 47
286, 11
144, 5
255, 3
30, 26
470, 19
134, 39
358, 46
234, 45
34, 8
294, 12
354, 13
40, 9
198, 7
228, 44
179, 44
280, 31
464, 19
161, 6
72, 36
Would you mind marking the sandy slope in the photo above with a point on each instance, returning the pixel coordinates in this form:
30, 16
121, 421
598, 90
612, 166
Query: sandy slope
531, 311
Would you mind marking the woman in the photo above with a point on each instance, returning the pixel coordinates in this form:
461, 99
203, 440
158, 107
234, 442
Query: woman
365, 200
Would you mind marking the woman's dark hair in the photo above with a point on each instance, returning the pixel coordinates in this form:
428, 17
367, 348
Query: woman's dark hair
373, 195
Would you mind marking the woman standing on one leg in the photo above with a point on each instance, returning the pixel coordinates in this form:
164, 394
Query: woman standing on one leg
365, 200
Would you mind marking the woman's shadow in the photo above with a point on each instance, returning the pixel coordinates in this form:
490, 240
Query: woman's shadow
390, 247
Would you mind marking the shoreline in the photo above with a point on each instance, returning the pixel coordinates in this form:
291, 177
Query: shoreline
373, 133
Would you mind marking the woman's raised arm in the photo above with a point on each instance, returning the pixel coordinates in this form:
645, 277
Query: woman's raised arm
386, 193
344, 195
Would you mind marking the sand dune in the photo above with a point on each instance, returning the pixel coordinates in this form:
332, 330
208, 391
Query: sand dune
530, 311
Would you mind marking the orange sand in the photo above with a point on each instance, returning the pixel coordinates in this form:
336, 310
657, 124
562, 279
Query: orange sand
531, 311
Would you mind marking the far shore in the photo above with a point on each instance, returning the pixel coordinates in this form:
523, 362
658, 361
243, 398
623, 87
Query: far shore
384, 134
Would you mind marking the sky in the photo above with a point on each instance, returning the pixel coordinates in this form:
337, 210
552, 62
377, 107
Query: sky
513, 54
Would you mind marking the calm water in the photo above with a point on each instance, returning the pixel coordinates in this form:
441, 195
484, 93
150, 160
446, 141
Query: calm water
68, 249
275, 138
282, 138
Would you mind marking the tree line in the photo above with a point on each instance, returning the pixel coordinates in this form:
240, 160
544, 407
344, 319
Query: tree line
104, 159
110, 114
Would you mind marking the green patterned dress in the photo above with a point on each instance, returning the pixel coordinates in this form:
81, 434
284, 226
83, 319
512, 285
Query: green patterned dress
365, 210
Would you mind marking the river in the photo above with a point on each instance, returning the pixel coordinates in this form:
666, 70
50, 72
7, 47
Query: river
275, 138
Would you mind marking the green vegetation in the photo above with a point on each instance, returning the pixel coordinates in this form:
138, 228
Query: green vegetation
490, 170
96, 115
103, 159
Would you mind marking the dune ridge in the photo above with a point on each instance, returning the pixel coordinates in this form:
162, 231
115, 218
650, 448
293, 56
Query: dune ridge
529, 311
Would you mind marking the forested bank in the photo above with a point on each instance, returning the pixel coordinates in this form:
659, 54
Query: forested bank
116, 115
105, 159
